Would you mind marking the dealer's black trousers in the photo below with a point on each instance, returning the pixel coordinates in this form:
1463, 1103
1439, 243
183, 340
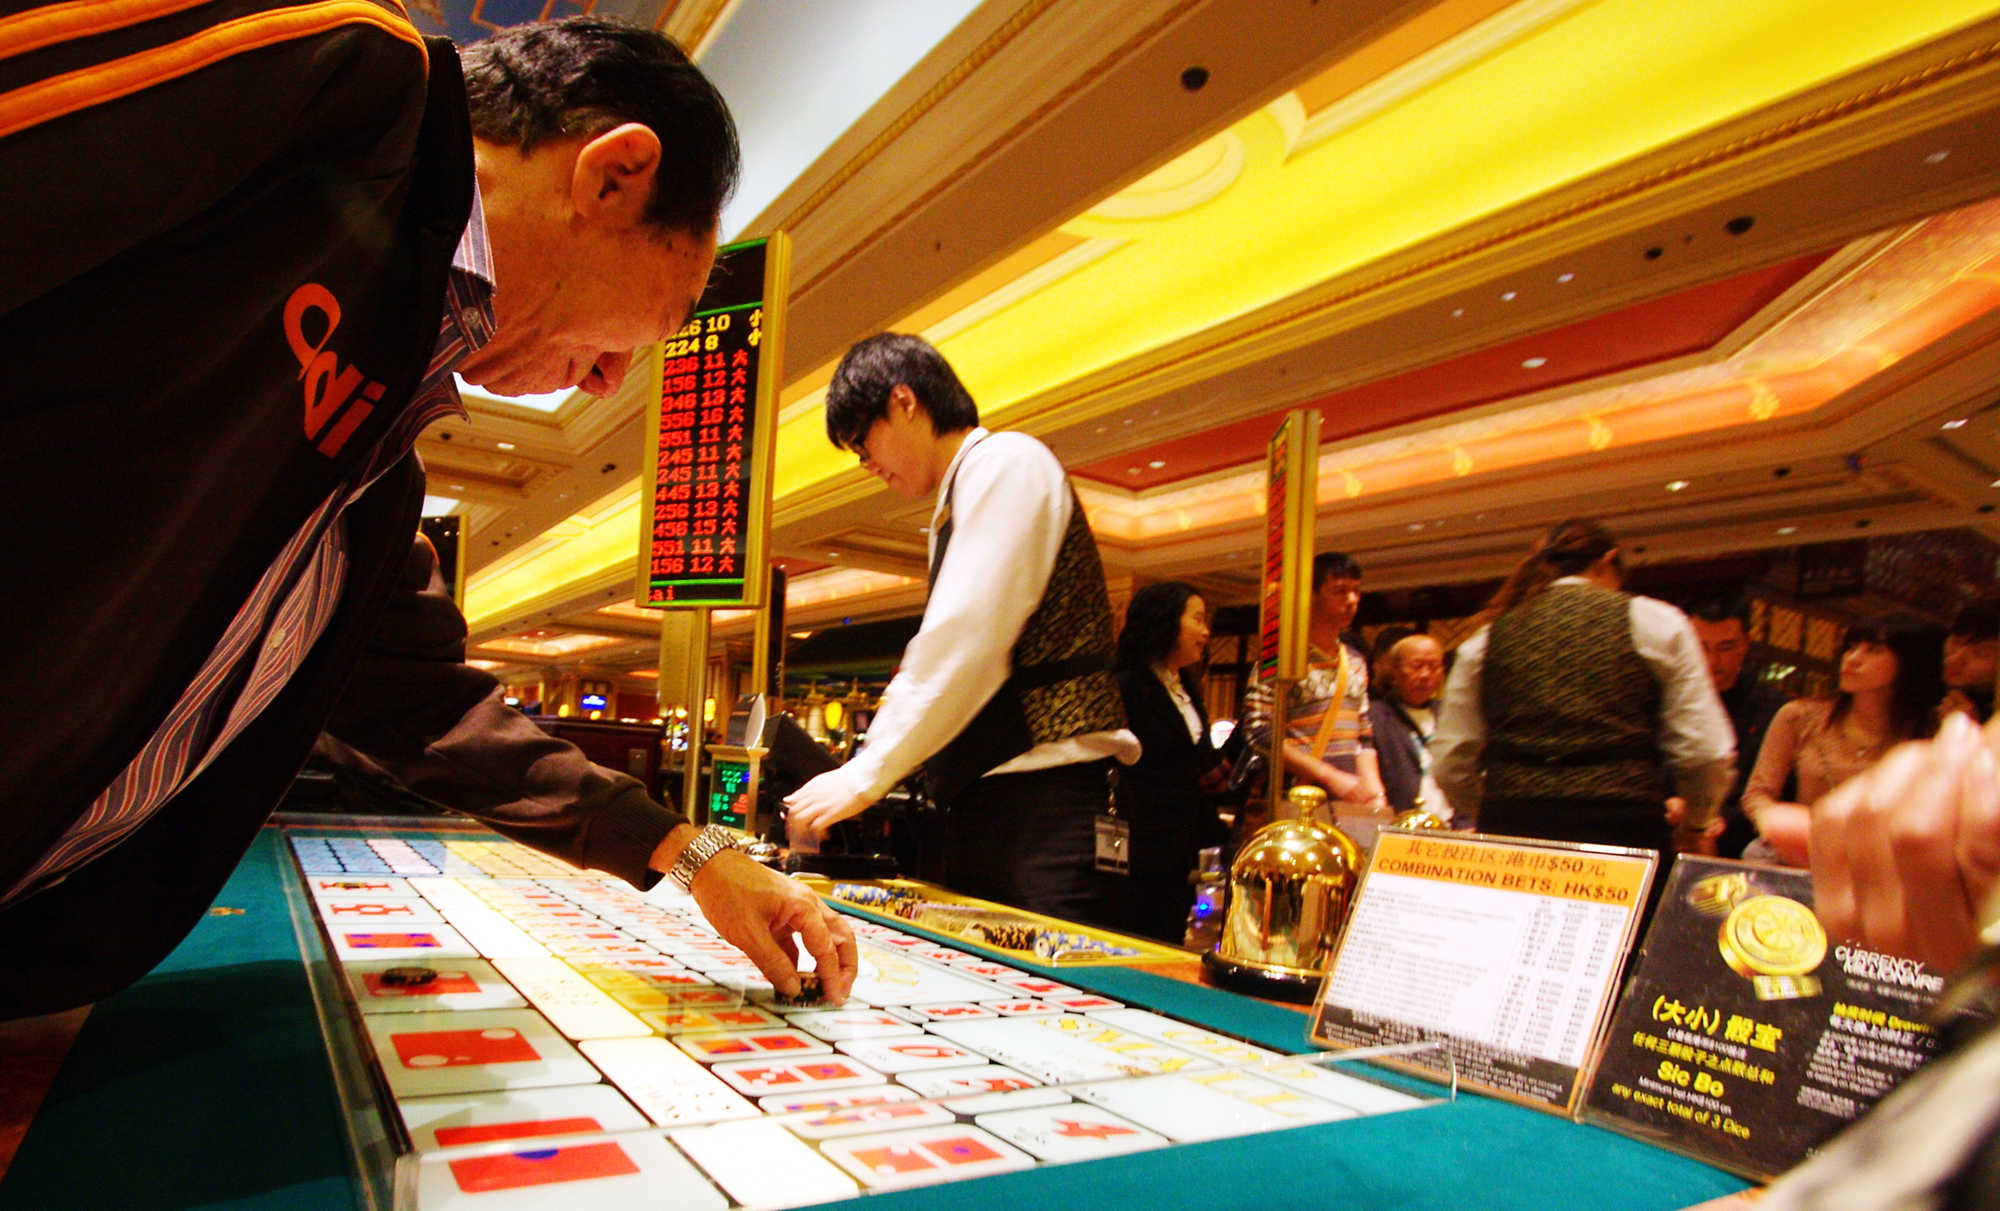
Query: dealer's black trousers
1029, 840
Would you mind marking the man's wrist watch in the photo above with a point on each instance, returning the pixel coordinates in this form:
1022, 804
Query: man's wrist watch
707, 843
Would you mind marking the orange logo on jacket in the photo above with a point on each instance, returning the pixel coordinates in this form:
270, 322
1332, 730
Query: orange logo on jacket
329, 386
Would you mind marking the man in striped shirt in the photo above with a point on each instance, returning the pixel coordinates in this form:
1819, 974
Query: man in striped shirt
245, 245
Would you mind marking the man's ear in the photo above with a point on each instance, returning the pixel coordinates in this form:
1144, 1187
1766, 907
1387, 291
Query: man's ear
904, 400
613, 178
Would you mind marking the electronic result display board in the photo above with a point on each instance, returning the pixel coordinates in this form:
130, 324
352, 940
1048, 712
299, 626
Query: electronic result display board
709, 453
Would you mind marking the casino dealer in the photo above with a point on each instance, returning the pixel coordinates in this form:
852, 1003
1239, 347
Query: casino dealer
1005, 695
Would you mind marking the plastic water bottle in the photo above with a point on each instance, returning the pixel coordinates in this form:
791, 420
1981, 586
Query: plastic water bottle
1211, 885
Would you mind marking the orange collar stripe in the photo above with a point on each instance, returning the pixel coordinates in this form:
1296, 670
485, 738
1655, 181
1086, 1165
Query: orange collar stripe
65, 94
41, 27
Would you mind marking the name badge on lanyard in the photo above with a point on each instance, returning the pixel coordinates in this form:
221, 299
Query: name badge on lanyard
1114, 845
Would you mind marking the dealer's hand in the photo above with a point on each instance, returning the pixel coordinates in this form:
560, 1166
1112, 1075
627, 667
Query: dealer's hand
763, 913
1905, 854
820, 804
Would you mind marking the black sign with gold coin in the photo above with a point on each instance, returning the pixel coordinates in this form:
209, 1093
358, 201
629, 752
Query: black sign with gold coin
1747, 1037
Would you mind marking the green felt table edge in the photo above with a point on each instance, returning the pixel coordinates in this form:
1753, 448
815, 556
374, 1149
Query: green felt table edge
203, 1086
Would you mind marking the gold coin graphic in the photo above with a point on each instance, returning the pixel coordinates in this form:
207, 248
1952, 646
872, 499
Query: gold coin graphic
1772, 936
1717, 894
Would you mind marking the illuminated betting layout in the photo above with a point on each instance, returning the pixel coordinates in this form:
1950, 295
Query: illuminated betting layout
705, 490
504, 1002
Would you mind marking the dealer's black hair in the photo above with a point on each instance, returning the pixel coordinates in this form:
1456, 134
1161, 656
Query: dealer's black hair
529, 84
858, 396
1153, 624
1566, 550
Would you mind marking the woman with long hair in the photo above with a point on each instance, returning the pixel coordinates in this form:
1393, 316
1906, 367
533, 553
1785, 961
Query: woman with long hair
1159, 654
1578, 711
1891, 681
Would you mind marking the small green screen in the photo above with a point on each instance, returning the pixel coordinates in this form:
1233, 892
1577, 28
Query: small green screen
728, 794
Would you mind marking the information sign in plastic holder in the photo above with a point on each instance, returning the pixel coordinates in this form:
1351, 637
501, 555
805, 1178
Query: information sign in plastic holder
1747, 1035
1508, 950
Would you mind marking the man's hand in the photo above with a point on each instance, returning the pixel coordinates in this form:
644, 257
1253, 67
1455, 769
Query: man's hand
759, 911
1957, 703
1905, 855
820, 804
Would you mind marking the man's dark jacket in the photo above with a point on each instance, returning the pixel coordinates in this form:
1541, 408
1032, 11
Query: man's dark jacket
157, 450
1398, 749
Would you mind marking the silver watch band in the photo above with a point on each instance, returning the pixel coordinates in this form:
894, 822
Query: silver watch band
707, 843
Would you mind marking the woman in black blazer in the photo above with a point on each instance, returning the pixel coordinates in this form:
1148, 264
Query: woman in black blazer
1165, 636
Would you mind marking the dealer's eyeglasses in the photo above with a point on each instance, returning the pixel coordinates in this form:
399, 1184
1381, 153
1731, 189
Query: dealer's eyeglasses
860, 445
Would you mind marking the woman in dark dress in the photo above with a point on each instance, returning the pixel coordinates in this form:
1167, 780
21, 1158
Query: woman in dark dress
1165, 636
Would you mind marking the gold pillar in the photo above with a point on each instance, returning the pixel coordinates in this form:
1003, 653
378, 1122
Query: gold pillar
683, 686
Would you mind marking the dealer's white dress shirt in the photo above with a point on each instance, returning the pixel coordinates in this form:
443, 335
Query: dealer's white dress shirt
1696, 740
1010, 507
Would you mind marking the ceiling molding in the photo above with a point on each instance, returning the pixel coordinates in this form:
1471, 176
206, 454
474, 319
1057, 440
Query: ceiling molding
1053, 107
1910, 94
693, 24
1509, 25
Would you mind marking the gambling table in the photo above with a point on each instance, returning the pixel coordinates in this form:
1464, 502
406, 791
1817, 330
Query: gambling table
213, 1083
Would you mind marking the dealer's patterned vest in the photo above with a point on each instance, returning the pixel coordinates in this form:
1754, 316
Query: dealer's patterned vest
1571, 708
1061, 686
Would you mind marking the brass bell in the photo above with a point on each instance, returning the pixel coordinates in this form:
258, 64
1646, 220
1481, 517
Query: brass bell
1417, 817
1307, 801
1289, 893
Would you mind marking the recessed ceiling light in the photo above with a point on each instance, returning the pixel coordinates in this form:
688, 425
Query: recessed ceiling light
1677, 485
1103, 428
1156, 464
1509, 296
1415, 525
1534, 363
1960, 423
833, 555
1128, 420
1788, 529
458, 487
1565, 277
1456, 312
1132, 470
505, 445
1937, 157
